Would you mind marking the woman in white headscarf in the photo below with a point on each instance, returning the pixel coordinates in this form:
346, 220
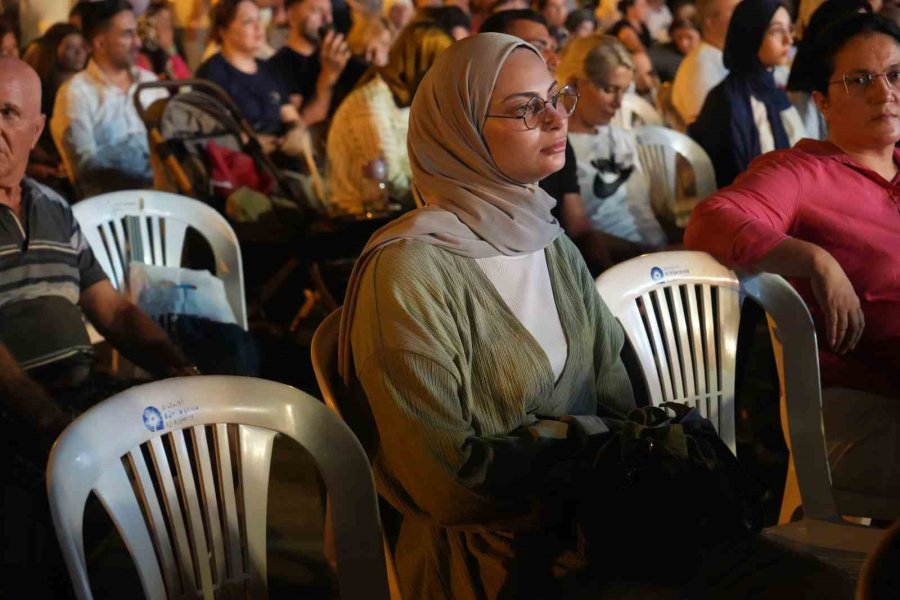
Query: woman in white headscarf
470, 320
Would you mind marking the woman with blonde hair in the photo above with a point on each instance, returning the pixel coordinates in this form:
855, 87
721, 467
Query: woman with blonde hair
614, 188
367, 139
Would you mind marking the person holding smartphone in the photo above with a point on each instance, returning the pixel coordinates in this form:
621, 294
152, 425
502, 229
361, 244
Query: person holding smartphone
314, 66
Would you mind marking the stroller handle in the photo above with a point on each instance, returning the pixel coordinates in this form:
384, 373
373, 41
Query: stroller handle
201, 85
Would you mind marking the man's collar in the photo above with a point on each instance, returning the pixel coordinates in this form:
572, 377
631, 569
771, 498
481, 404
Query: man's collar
98, 74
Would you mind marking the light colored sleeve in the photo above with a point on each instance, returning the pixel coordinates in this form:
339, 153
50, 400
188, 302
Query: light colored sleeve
693, 82
72, 129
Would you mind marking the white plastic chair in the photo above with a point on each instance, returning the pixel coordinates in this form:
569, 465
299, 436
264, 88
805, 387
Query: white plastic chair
635, 112
657, 149
182, 466
148, 226
324, 360
680, 312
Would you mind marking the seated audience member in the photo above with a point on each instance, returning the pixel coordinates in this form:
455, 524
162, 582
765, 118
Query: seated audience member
50, 279
581, 23
315, 65
159, 53
703, 68
527, 25
800, 83
667, 57
658, 19
95, 126
470, 320
631, 29
372, 123
9, 43
614, 188
825, 212
255, 88
555, 13
747, 114
646, 82
399, 13
56, 56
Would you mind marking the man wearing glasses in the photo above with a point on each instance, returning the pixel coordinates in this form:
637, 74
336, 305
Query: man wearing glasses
827, 215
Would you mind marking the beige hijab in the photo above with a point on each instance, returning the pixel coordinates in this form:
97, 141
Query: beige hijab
472, 208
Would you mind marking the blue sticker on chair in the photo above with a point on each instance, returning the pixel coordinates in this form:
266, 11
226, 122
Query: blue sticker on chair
153, 419
656, 274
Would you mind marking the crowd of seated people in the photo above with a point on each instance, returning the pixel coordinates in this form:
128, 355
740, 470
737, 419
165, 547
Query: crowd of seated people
503, 120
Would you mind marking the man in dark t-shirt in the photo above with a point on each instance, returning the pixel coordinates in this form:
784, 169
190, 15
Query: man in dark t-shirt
314, 66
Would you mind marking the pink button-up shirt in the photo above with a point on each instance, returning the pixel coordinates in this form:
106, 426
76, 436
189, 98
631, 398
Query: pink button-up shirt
816, 193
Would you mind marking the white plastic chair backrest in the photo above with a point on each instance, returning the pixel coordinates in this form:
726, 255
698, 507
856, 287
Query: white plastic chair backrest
149, 227
182, 466
635, 111
657, 147
681, 311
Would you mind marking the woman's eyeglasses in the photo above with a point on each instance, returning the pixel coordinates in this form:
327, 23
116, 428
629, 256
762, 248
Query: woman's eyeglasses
534, 113
859, 83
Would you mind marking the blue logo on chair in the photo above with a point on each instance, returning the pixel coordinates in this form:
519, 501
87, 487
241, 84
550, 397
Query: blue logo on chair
153, 419
656, 274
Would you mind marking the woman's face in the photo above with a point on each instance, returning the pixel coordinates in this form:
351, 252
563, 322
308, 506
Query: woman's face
685, 39
165, 30
9, 47
378, 49
245, 33
777, 41
598, 104
860, 116
72, 52
522, 154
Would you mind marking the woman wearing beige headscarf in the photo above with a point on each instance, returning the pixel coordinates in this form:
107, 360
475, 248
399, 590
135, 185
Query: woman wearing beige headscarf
470, 320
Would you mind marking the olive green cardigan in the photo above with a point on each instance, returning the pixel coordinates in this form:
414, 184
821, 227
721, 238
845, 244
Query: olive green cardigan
451, 378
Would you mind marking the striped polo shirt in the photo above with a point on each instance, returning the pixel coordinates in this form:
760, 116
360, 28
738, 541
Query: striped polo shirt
45, 264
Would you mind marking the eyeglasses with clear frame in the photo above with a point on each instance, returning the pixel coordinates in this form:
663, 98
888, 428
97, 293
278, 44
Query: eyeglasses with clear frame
533, 113
859, 83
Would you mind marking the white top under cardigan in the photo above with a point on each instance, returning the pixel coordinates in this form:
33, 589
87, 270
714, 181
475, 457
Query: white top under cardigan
523, 283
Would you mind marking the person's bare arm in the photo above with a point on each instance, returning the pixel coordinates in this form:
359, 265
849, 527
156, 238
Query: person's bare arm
132, 332
844, 319
334, 56
26, 398
600, 250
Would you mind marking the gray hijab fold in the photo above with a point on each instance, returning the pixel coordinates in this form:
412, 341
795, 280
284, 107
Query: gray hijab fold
472, 208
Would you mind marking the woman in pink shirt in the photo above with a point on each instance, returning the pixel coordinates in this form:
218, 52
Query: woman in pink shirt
827, 214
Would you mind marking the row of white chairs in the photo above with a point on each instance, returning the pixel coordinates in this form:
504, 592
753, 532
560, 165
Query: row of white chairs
680, 311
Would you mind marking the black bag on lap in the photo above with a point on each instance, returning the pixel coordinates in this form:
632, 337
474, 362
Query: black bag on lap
654, 492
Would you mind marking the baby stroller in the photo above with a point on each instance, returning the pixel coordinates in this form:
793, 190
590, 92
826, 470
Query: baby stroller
296, 233
198, 117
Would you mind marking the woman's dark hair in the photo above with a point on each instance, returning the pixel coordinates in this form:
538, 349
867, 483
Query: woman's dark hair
805, 61
682, 24
222, 15
447, 17
44, 59
624, 5
577, 17
95, 16
835, 37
